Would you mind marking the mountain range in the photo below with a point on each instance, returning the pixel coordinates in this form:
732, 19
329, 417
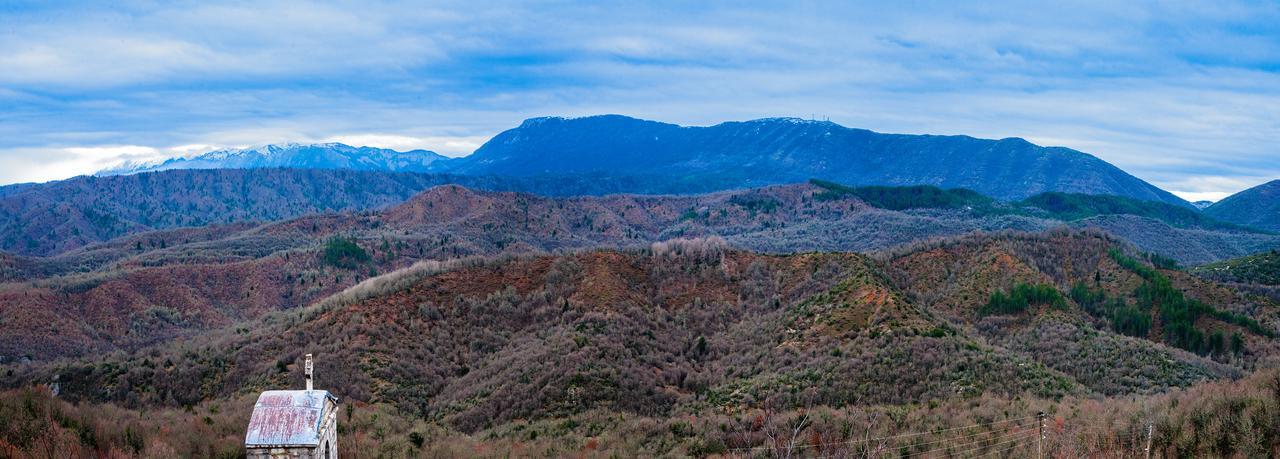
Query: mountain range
727, 155
50, 218
630, 155
544, 320
789, 150
614, 287
152, 286
635, 348
58, 217
292, 155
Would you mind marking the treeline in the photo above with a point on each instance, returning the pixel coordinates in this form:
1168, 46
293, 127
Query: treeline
1124, 318
343, 253
1261, 268
1021, 297
1052, 205
1239, 418
1076, 206
902, 197
1178, 314
51, 218
36, 423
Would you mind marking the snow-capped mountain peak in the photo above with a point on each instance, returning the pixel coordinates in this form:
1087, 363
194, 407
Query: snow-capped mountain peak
291, 155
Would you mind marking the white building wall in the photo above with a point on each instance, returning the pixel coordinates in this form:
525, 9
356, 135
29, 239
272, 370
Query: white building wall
329, 433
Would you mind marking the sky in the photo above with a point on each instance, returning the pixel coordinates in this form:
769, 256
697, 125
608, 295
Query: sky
1185, 95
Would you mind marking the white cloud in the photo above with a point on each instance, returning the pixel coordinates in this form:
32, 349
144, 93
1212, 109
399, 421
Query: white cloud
1212, 196
1173, 93
45, 164
99, 47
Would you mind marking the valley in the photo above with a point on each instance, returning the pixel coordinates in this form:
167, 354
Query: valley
466, 314
504, 346
636, 312
151, 287
709, 230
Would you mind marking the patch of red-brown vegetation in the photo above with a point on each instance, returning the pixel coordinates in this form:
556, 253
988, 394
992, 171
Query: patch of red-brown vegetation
141, 306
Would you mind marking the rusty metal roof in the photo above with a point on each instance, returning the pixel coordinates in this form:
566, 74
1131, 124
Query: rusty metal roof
288, 418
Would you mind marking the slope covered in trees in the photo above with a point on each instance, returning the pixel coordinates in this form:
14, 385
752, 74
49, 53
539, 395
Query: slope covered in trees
1202, 421
907, 197
1071, 284
1257, 207
551, 350
1260, 268
1076, 206
160, 285
51, 218
1066, 207
59, 217
787, 150
638, 331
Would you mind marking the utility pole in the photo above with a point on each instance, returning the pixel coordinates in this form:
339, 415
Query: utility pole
1149, 431
1040, 439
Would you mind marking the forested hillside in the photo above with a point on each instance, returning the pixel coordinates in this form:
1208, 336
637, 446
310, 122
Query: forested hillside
53, 218
1261, 268
344, 229
498, 314
156, 286
50, 218
1258, 207
787, 150
555, 351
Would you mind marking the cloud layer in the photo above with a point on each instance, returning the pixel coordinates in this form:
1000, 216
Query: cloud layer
1182, 95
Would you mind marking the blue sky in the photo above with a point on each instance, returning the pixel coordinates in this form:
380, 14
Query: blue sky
1184, 95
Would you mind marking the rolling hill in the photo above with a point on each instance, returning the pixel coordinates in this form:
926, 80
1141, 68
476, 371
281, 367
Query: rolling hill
646, 325
1260, 268
587, 344
156, 286
50, 218
1258, 207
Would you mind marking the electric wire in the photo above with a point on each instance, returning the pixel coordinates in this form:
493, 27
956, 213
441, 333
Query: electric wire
978, 443
891, 437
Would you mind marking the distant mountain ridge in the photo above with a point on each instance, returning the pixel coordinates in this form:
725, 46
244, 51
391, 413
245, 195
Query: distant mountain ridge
248, 268
293, 155
1258, 207
48, 218
52, 218
788, 150
730, 155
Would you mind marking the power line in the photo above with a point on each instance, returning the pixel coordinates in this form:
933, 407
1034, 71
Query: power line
978, 442
891, 437
1005, 450
1012, 441
1026, 436
989, 432
1003, 435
